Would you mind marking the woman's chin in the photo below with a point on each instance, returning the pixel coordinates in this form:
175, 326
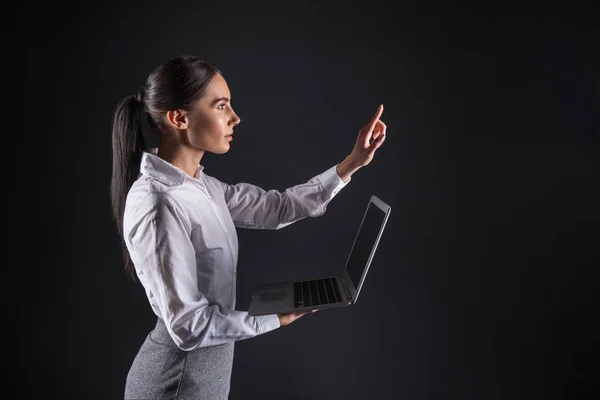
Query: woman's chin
223, 149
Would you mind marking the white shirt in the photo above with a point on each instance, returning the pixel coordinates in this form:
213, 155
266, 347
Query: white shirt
181, 235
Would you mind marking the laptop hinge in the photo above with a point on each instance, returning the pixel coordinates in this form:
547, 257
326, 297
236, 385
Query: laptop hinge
345, 288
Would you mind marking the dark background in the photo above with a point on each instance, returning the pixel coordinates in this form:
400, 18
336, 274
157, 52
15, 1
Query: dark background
485, 282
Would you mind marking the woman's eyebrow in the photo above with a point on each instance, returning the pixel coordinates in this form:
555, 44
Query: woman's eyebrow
218, 100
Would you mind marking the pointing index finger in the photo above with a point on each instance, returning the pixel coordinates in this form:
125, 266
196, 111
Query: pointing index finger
375, 117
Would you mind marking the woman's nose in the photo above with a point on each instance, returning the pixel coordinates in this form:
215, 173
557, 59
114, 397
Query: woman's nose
236, 119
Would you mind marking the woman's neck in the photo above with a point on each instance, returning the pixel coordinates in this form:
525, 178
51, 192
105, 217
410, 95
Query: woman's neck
181, 157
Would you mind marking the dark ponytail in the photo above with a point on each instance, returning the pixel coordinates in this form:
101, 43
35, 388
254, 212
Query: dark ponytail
139, 123
127, 147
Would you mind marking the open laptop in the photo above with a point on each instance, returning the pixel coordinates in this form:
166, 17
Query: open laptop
329, 291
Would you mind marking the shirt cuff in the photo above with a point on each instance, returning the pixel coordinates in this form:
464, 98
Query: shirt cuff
331, 181
267, 323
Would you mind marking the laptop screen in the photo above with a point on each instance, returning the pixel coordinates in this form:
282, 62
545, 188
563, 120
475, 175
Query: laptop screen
365, 241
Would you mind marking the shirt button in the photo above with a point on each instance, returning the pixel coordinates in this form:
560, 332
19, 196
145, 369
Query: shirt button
226, 233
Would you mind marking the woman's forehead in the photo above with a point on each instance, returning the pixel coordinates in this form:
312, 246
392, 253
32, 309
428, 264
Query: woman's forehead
218, 87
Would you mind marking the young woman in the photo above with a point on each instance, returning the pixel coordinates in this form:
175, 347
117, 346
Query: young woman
178, 225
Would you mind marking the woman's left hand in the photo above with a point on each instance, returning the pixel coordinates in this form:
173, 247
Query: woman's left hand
364, 149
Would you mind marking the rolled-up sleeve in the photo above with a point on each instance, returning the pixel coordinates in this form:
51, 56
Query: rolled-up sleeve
253, 207
160, 245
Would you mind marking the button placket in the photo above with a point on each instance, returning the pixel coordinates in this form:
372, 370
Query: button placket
219, 219
203, 190
216, 214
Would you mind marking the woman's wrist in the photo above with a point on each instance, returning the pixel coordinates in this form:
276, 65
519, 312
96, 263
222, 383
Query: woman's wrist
346, 168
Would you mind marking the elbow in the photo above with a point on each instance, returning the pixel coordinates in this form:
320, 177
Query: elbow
283, 225
319, 211
291, 211
184, 343
184, 338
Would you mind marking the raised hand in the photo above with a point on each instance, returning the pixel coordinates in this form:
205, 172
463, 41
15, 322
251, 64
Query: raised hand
364, 149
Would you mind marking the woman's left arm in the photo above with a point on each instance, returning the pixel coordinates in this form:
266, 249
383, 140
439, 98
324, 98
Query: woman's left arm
253, 207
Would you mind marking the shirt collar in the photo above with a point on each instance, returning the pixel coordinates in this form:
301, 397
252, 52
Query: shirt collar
165, 172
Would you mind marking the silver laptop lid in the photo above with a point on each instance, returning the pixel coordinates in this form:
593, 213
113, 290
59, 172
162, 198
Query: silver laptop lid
365, 244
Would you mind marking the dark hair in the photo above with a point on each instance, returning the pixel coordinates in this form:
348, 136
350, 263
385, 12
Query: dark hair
176, 84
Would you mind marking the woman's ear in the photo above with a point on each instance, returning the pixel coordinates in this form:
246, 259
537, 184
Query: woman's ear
178, 119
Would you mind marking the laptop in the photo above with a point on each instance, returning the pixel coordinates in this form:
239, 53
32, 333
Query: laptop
325, 292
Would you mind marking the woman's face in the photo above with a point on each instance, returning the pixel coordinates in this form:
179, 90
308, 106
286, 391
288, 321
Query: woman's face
211, 121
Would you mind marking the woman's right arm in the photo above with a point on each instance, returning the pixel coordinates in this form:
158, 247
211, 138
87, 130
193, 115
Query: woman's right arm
158, 239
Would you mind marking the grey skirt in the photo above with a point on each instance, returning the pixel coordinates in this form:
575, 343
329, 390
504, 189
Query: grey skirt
161, 370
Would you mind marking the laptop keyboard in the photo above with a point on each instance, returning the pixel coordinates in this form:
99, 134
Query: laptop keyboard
315, 292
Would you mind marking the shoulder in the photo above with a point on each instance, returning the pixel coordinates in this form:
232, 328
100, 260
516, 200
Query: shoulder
214, 183
148, 197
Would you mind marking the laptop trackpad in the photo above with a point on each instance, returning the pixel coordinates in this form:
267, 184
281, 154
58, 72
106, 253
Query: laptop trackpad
273, 296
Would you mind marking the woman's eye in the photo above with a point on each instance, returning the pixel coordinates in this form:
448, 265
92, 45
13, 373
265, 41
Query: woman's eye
222, 105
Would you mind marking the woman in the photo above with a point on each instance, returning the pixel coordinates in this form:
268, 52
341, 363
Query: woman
179, 225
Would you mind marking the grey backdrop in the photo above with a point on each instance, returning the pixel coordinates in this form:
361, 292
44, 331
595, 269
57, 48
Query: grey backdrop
485, 283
